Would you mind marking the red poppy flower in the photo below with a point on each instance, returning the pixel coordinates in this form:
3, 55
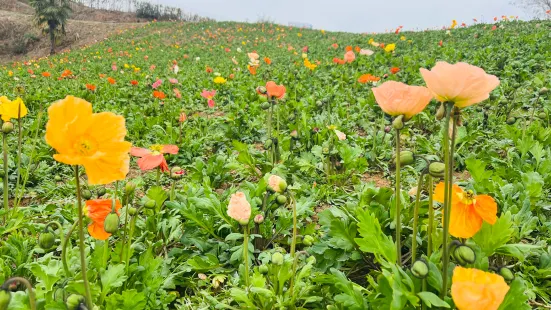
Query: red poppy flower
91, 87
394, 70
134, 82
153, 157
97, 210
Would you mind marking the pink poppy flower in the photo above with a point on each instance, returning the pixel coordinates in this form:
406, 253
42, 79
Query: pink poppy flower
114, 67
157, 84
239, 208
154, 156
349, 56
209, 95
396, 98
173, 81
177, 93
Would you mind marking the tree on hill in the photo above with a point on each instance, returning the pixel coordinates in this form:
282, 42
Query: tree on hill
539, 8
50, 15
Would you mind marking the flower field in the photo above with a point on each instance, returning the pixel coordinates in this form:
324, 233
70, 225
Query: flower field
258, 166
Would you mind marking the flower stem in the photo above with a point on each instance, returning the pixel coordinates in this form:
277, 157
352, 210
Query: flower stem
447, 202
19, 140
293, 243
64, 243
431, 215
62, 239
87, 292
416, 218
158, 176
126, 203
398, 219
5, 152
105, 253
27, 284
172, 189
246, 252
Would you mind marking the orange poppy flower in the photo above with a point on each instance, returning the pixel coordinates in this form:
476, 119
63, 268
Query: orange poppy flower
153, 157
348, 48
267, 60
474, 289
91, 87
357, 49
252, 69
396, 98
394, 70
97, 210
275, 91
468, 211
102, 75
46, 74
66, 73
134, 82
93, 140
364, 78
111, 80
159, 94
209, 70
339, 61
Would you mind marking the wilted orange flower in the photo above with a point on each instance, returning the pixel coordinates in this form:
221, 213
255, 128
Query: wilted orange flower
396, 98
46, 74
267, 60
275, 91
252, 69
97, 210
91, 87
460, 83
111, 80
474, 289
348, 48
159, 94
394, 70
93, 140
468, 211
364, 78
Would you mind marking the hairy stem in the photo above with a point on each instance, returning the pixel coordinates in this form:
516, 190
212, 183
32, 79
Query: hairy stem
87, 292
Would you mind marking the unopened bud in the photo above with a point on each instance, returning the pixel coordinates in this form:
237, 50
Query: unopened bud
464, 255
101, 191
441, 112
511, 120
437, 169
281, 200
294, 134
406, 158
265, 105
277, 258
129, 188
259, 219
387, 129
268, 144
132, 211
7, 127
46, 240
261, 90
86, 194
544, 91
398, 122
308, 240
263, 269
176, 173
74, 302
150, 204
507, 274
111, 224
419, 269
202, 276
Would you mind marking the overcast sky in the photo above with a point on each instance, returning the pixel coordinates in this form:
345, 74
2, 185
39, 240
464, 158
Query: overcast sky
353, 15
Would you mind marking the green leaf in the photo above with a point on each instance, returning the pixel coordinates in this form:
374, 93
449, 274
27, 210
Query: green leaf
520, 250
435, 277
477, 169
158, 194
533, 184
373, 239
516, 298
111, 278
129, 300
430, 299
491, 237
340, 228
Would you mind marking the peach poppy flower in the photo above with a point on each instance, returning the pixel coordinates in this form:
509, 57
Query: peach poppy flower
209, 95
349, 56
97, 210
154, 156
93, 140
366, 52
239, 208
474, 289
252, 69
461, 83
396, 98
157, 83
468, 211
277, 183
275, 91
335, 45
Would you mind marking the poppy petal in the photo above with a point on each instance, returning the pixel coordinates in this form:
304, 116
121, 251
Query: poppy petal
139, 152
150, 162
170, 149
486, 207
464, 221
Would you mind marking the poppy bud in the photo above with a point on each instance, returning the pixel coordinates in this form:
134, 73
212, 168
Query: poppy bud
511, 120
277, 258
437, 169
507, 274
544, 91
398, 122
319, 103
111, 224
57, 178
294, 135
406, 158
265, 105
281, 200
440, 112
261, 90
5, 298
419, 269
132, 211
263, 269
86, 194
387, 129
129, 188
464, 255
176, 173
311, 259
74, 301
101, 191
325, 151
308, 240
268, 144
7, 127
259, 219
150, 204
46, 240
542, 115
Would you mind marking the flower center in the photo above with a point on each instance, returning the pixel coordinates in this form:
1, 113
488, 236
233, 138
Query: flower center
86, 146
468, 197
156, 149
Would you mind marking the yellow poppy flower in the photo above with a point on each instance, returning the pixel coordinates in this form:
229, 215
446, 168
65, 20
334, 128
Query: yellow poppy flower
12, 109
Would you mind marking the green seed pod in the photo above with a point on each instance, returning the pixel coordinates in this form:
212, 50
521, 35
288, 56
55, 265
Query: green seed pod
46, 240
132, 211
511, 120
281, 200
464, 255
437, 169
111, 224
268, 144
420, 269
101, 191
7, 127
263, 269
406, 158
440, 113
265, 105
150, 204
507, 274
308, 240
5, 298
398, 122
277, 258
86, 194
74, 301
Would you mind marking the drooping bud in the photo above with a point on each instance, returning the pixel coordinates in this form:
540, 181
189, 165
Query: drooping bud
464, 255
132, 211
7, 127
86, 194
202, 276
277, 184
263, 269
259, 219
111, 224
261, 90
176, 173
511, 120
308, 240
101, 191
406, 158
46, 240
150, 204
398, 122
420, 269
129, 188
268, 144
437, 169
265, 105
542, 115
507, 274
277, 258
281, 200
441, 112
74, 302
5, 298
